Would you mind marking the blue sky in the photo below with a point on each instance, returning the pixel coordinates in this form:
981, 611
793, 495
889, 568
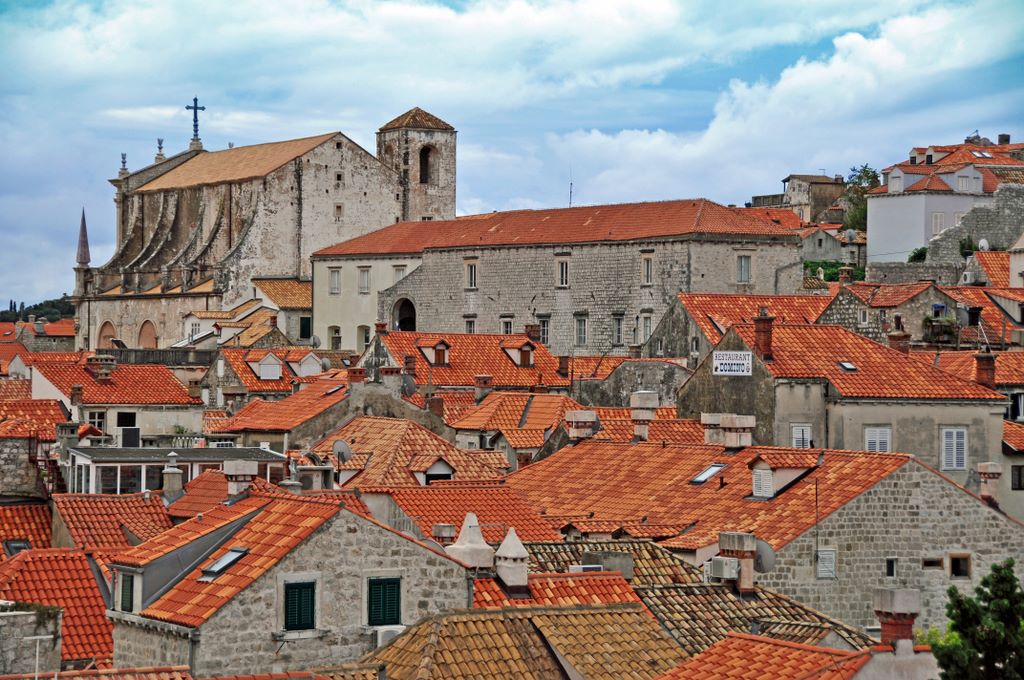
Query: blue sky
642, 100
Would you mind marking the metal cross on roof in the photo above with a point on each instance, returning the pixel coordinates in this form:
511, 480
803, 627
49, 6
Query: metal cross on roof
195, 109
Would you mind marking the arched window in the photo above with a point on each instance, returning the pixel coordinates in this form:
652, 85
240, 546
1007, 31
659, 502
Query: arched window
388, 157
106, 336
428, 173
147, 335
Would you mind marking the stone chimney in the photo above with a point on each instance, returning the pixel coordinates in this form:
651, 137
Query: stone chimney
482, 385
642, 405
897, 609
240, 474
76, 395
845, 275
159, 157
532, 332
763, 334
101, 366
990, 474
380, 328
563, 366
581, 424
737, 431
32, 319
511, 564
471, 547
634, 351
1004, 138
443, 533
292, 486
391, 377
409, 365
67, 436
985, 369
899, 340
435, 405
172, 476
743, 547
712, 423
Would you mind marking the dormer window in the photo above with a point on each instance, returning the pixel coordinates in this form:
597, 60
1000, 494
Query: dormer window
896, 183
526, 357
440, 354
764, 486
126, 585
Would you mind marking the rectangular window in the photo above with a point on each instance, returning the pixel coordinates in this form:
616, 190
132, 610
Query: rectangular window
890, 567
506, 326
617, 330
863, 317
471, 275
334, 279
877, 439
471, 325
648, 271
977, 184
545, 330
126, 419
299, 606
764, 486
938, 222
931, 563
1017, 477
647, 328
305, 327
581, 331
963, 183
384, 601
960, 566
365, 339
896, 184
339, 212
801, 435
364, 280
563, 273
827, 563
954, 448
127, 592
743, 269
194, 330
399, 272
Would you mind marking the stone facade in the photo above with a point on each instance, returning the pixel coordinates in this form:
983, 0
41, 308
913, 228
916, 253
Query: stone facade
809, 196
662, 377
172, 242
910, 516
340, 556
605, 288
18, 653
852, 313
19, 476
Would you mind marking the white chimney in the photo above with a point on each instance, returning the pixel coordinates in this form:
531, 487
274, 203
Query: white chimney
240, 474
470, 547
172, 485
743, 547
712, 423
642, 406
511, 563
581, 424
738, 431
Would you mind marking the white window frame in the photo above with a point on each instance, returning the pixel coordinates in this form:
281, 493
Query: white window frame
648, 270
800, 435
506, 326
98, 419
562, 273
938, 222
545, 330
963, 183
743, 269
471, 326
648, 326
398, 272
616, 330
896, 183
863, 317
581, 331
334, 280
763, 483
878, 439
364, 280
471, 275
951, 457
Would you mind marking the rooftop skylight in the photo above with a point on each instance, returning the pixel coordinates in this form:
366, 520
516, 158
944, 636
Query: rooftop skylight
707, 473
223, 562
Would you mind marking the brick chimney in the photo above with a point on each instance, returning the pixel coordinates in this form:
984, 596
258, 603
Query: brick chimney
76, 395
482, 385
409, 365
634, 351
989, 473
642, 405
101, 366
356, 375
532, 332
897, 609
899, 340
743, 547
985, 369
435, 405
240, 474
380, 328
563, 366
763, 334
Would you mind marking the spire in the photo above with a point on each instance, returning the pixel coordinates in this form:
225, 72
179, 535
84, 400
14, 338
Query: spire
83, 244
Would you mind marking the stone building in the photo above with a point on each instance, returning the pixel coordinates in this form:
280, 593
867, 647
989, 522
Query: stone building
875, 310
593, 279
809, 196
266, 591
813, 386
194, 229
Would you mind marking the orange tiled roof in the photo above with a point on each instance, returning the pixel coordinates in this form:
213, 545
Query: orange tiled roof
617, 425
9, 350
600, 367
652, 564
996, 265
497, 507
202, 493
62, 328
287, 293
227, 314
456, 402
523, 418
560, 590
881, 372
998, 325
105, 521
887, 294
386, 451
143, 673
617, 222
254, 327
753, 657
614, 481
1013, 435
714, 313
962, 364
15, 389
238, 360
782, 216
288, 413
25, 521
417, 118
234, 165
61, 577
128, 384
36, 358
39, 416
472, 354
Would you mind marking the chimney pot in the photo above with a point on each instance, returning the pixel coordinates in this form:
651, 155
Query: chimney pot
172, 479
712, 423
985, 369
642, 407
581, 424
482, 385
563, 366
1004, 138
240, 474
763, 334
899, 340
409, 365
989, 473
470, 546
292, 486
897, 609
380, 328
31, 318
356, 375
532, 332
742, 546
511, 564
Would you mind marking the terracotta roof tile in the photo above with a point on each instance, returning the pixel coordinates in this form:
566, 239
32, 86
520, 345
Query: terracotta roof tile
497, 507
64, 328
998, 325
652, 564
39, 416
143, 673
417, 118
524, 419
235, 312
288, 413
128, 384
239, 360
714, 313
287, 293
601, 367
386, 452
456, 402
202, 493
234, 165
815, 351
105, 521
350, 671
15, 389
617, 425
781, 216
1013, 435
962, 364
62, 577
25, 522
560, 590
887, 294
616, 481
751, 657
36, 358
618, 222
996, 265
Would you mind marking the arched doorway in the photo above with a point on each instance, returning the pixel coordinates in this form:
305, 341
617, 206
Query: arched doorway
403, 318
106, 336
147, 335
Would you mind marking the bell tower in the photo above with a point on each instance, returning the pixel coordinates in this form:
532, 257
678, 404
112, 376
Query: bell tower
420, 147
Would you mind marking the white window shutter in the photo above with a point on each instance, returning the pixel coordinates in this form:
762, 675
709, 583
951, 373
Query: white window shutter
763, 487
954, 448
826, 564
801, 436
961, 449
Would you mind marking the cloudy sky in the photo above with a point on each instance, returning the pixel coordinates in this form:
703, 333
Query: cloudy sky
638, 100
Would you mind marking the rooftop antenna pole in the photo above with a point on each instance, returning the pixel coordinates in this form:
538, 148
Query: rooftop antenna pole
570, 186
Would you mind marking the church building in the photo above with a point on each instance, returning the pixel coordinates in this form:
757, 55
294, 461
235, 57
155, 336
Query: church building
194, 229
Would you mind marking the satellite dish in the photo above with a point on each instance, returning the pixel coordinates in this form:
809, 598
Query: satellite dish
764, 557
342, 451
983, 245
851, 235
325, 364
314, 342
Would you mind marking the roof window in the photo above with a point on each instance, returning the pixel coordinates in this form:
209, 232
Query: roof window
847, 366
14, 546
222, 563
708, 473
333, 389
981, 154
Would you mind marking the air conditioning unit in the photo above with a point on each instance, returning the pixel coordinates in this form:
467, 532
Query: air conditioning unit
726, 568
967, 278
581, 568
385, 634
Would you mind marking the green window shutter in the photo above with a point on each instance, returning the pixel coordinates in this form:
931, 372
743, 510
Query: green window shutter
127, 592
299, 606
385, 601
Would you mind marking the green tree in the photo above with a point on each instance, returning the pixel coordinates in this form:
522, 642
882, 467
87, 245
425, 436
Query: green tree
858, 183
918, 254
989, 630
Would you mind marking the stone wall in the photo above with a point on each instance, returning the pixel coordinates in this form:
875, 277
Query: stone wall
911, 515
18, 474
660, 376
18, 654
149, 643
911, 272
845, 310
